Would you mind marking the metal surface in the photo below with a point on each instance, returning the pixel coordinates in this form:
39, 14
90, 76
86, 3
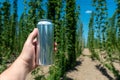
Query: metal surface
45, 42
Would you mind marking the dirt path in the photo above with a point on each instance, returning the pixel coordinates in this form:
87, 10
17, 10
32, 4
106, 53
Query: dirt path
87, 70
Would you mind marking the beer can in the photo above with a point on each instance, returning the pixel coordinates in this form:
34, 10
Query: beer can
45, 42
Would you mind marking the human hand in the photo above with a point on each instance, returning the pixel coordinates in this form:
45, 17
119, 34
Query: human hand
27, 60
28, 54
55, 47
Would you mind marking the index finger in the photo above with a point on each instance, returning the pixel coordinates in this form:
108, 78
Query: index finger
33, 35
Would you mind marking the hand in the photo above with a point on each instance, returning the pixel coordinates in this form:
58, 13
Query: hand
28, 54
27, 60
55, 46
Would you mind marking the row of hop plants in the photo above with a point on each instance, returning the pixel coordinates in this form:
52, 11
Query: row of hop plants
15, 31
105, 46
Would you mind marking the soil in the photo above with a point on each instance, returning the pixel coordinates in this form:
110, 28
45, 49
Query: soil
86, 69
89, 69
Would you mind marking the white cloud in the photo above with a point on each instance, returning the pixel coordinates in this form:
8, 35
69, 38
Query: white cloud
88, 11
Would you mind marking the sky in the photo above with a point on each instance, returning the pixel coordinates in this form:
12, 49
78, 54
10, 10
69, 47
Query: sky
85, 11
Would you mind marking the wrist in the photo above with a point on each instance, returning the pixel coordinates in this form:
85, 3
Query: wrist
17, 71
20, 68
19, 63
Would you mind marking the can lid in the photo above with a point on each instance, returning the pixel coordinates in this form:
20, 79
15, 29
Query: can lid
45, 21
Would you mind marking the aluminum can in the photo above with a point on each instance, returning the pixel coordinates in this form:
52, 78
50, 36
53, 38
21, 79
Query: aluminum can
45, 42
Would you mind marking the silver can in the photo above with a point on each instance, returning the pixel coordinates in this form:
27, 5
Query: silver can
45, 42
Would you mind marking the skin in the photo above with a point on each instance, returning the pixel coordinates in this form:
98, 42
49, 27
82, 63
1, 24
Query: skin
26, 61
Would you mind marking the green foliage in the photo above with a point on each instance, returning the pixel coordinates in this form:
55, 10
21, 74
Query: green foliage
13, 32
118, 19
5, 35
95, 55
100, 21
65, 36
14, 22
36, 74
71, 31
0, 23
6, 24
79, 39
104, 43
103, 34
54, 8
32, 17
0, 34
113, 69
79, 44
91, 32
118, 26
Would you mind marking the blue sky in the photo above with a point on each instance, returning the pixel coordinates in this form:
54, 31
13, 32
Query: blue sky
85, 11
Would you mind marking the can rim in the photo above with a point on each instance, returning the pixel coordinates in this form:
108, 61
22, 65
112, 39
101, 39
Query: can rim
45, 20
